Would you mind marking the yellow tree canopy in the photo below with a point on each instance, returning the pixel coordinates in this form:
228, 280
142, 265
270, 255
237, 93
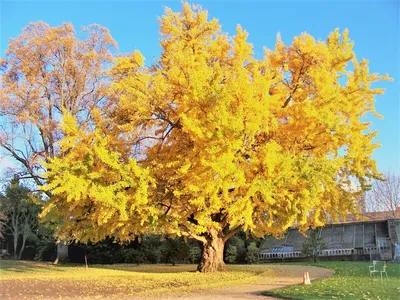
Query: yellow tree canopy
210, 140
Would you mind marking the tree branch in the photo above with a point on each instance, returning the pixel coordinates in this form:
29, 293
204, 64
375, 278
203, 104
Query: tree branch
185, 232
232, 233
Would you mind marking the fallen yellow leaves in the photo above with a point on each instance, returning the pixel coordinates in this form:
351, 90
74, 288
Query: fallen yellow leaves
43, 280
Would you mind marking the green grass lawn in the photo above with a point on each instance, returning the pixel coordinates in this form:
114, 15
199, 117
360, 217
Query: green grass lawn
351, 281
35, 280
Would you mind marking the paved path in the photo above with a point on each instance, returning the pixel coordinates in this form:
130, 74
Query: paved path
276, 276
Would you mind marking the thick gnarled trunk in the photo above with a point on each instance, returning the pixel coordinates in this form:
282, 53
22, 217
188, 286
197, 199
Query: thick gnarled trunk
212, 257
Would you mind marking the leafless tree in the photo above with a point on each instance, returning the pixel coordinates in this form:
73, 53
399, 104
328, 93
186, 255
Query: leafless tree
22, 213
385, 195
3, 220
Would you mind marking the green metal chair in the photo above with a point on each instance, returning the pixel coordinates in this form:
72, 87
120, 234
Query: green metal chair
384, 271
372, 269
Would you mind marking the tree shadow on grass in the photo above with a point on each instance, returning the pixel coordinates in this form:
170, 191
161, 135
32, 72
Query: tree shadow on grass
20, 266
149, 268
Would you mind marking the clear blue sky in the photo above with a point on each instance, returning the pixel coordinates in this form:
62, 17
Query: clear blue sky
373, 24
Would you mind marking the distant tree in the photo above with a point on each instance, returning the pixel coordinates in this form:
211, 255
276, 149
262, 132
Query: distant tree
230, 255
46, 72
314, 244
22, 214
106, 252
134, 256
150, 245
46, 248
238, 241
194, 254
385, 195
175, 250
252, 253
3, 216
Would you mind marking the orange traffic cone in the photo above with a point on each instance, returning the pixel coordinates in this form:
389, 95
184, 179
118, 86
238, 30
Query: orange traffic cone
306, 278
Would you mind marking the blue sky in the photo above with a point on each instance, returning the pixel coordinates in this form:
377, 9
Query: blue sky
373, 24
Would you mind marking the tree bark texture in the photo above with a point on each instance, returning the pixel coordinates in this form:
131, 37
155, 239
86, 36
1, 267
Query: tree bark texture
212, 258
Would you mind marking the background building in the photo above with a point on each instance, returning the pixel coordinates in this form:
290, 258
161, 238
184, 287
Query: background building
364, 240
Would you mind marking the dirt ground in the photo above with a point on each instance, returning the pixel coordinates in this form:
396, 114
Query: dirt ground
275, 276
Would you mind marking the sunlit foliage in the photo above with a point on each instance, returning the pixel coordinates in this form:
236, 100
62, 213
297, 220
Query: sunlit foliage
209, 140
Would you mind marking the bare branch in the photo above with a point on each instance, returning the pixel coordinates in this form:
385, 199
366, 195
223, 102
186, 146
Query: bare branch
385, 195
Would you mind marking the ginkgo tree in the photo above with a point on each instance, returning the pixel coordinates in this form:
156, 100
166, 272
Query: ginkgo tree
210, 140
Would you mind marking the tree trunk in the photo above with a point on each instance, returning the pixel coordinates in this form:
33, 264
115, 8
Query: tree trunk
212, 257
15, 236
22, 247
15, 231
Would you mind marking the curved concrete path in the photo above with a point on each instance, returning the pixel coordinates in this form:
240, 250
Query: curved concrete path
275, 276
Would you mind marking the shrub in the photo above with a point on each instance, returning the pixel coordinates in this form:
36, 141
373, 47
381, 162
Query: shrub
252, 253
150, 248
175, 251
239, 243
133, 256
194, 254
314, 244
46, 248
231, 253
